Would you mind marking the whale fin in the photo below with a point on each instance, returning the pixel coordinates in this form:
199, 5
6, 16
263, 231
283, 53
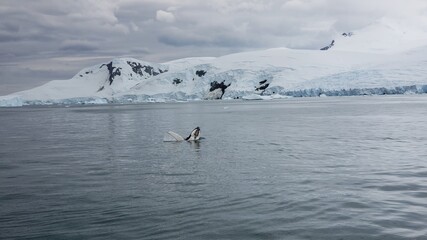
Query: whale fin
176, 136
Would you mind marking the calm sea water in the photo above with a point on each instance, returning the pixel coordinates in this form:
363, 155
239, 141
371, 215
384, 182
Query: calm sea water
314, 168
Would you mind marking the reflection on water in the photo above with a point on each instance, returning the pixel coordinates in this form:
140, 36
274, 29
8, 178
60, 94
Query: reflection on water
333, 168
195, 145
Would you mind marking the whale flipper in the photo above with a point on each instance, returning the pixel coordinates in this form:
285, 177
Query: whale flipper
176, 136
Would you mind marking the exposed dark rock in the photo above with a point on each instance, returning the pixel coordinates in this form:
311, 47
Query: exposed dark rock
100, 89
176, 81
150, 70
113, 71
348, 34
81, 75
138, 69
262, 86
329, 46
215, 85
200, 73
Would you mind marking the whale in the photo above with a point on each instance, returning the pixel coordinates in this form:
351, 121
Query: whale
194, 135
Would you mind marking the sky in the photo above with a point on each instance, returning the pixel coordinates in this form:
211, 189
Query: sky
43, 40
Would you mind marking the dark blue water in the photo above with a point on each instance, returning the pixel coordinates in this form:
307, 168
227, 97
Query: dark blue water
316, 168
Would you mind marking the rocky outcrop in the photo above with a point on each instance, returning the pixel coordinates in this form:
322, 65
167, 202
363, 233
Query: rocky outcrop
263, 85
329, 46
217, 90
140, 69
200, 73
113, 71
176, 81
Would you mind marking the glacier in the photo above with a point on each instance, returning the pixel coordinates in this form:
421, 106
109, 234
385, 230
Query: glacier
377, 60
11, 101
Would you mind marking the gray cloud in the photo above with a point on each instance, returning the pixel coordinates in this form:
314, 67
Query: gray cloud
35, 34
8, 37
78, 46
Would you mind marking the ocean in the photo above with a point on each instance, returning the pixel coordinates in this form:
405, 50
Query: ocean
300, 168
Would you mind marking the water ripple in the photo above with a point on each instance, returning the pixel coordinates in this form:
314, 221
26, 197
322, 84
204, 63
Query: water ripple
331, 169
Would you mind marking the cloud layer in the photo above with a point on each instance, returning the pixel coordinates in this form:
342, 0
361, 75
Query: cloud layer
35, 34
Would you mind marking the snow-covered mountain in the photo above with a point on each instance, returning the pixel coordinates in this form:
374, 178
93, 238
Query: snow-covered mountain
379, 59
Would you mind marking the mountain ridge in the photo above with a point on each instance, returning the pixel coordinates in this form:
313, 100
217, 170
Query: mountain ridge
346, 68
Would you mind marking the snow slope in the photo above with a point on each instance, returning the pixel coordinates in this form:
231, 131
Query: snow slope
380, 59
385, 36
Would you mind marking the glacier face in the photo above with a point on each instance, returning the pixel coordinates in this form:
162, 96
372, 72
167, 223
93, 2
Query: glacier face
11, 101
345, 69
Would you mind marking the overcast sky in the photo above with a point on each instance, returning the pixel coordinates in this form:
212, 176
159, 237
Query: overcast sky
42, 40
